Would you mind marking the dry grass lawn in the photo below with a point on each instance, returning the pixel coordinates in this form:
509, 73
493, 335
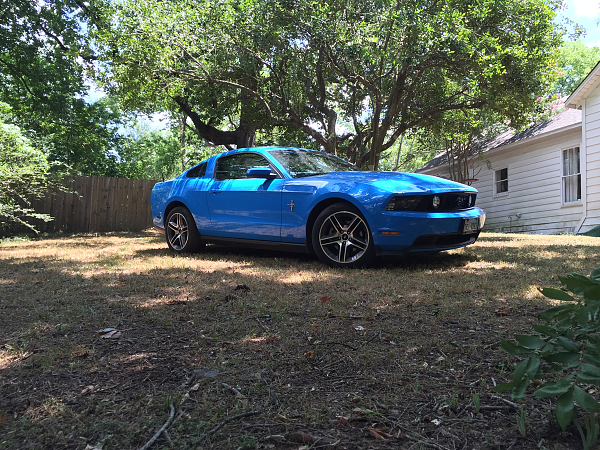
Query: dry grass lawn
270, 350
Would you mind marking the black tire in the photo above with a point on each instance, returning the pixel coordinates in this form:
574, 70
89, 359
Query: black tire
181, 232
341, 237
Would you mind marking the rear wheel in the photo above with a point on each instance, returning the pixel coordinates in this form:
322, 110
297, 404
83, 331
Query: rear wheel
181, 232
341, 237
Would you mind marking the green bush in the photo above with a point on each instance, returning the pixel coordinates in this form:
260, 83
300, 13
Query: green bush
23, 177
567, 348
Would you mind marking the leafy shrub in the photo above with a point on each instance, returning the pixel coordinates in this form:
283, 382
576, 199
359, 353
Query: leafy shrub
568, 348
23, 176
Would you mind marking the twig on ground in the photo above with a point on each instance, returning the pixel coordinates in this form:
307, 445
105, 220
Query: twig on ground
491, 345
225, 422
508, 402
262, 324
492, 408
378, 333
162, 429
168, 438
234, 390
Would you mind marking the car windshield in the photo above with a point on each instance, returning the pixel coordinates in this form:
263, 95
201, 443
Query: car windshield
300, 163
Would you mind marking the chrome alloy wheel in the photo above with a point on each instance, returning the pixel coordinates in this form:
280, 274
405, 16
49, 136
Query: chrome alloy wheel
344, 237
177, 231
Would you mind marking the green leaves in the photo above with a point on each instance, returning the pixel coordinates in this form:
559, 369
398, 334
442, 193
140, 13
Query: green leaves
555, 311
530, 342
554, 389
23, 177
513, 349
377, 68
556, 294
570, 348
565, 409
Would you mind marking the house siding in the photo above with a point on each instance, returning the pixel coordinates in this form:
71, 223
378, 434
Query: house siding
534, 187
592, 144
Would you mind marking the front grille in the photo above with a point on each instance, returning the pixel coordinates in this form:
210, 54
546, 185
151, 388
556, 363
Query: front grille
433, 241
450, 201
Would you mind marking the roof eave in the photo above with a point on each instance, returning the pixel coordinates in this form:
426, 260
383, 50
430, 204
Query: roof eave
512, 145
589, 83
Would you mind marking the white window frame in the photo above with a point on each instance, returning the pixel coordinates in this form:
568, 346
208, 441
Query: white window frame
496, 181
570, 176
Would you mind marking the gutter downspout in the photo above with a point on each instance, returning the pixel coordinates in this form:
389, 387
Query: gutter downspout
583, 165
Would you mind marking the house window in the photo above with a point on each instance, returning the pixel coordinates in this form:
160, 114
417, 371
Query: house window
571, 175
501, 181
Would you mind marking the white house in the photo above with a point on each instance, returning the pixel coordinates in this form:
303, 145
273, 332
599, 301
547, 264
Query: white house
545, 180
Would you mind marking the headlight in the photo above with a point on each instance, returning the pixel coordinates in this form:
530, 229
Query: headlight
404, 203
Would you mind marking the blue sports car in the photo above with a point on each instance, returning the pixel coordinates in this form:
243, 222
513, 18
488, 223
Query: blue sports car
313, 202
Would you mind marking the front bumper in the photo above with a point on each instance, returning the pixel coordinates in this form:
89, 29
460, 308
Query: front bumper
406, 232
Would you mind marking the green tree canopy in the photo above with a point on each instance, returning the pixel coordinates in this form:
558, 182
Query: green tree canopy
575, 61
44, 58
351, 75
23, 176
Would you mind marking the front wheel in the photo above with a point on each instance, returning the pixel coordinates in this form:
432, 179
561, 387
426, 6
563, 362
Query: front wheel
341, 237
181, 232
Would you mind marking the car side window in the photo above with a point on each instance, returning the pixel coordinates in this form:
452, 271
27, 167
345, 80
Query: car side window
197, 172
234, 167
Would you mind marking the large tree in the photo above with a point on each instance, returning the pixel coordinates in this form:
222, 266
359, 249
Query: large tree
44, 58
351, 75
575, 61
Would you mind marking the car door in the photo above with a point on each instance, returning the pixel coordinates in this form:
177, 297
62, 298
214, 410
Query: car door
242, 207
194, 196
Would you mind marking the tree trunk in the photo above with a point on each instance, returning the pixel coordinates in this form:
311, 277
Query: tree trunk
239, 137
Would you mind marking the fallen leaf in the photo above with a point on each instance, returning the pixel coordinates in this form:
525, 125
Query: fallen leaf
3, 418
309, 354
195, 387
282, 418
299, 437
87, 389
105, 330
98, 446
359, 328
383, 431
373, 432
325, 299
502, 311
114, 334
412, 349
399, 435
342, 420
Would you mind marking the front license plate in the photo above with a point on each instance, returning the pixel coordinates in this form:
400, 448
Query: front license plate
471, 225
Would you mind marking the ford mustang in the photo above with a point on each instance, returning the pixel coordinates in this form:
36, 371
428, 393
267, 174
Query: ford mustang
310, 201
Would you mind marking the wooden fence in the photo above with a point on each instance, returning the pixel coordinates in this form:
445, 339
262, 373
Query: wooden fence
94, 204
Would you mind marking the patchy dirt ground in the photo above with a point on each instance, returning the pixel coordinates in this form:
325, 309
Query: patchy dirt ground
101, 335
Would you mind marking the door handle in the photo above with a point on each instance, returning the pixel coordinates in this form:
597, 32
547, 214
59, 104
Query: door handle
215, 191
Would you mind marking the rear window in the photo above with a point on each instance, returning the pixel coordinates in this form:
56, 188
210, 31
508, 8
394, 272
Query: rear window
197, 172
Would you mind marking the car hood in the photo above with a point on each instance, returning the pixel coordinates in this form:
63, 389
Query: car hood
394, 182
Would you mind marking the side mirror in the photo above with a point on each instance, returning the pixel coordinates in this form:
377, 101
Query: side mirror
261, 172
